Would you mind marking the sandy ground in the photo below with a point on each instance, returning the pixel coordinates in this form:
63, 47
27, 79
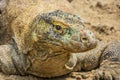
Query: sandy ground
100, 16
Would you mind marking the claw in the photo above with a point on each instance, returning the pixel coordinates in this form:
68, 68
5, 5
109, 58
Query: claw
71, 62
68, 67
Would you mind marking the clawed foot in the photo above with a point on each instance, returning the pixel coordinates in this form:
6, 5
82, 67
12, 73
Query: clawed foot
96, 75
71, 63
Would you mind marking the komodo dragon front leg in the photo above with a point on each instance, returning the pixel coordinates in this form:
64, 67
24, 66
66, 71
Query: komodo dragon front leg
10, 61
101, 63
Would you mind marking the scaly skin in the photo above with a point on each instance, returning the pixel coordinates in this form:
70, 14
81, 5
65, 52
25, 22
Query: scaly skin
43, 38
103, 62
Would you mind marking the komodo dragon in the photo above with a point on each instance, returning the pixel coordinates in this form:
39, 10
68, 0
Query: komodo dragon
50, 41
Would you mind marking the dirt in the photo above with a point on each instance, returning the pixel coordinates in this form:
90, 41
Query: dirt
100, 16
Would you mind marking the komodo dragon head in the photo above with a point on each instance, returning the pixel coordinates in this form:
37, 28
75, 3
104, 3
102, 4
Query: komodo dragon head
61, 31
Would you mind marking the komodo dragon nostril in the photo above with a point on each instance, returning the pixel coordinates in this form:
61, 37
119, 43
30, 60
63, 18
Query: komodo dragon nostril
84, 39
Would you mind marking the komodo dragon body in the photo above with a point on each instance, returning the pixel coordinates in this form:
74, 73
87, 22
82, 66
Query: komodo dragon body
47, 42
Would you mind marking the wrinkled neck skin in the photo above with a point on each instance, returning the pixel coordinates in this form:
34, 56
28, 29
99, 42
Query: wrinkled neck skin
47, 50
41, 54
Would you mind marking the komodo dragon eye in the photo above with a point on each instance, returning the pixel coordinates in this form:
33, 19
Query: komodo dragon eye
58, 27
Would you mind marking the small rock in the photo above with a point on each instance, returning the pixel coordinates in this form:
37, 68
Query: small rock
99, 4
70, 1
